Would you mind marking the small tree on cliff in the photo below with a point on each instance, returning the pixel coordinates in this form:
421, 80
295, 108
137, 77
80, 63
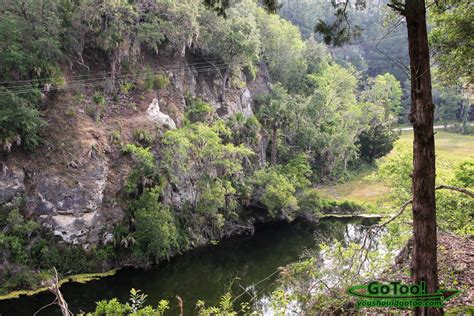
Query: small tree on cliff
233, 40
274, 113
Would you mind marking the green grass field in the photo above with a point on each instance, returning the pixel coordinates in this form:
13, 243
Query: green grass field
451, 149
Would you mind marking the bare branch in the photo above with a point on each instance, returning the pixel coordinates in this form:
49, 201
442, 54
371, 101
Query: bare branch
461, 190
400, 212
410, 201
399, 9
52, 303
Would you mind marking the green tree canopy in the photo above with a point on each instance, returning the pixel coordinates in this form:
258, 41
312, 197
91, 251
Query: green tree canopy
384, 90
452, 41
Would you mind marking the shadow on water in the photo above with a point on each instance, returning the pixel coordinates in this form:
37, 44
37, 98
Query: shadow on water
200, 274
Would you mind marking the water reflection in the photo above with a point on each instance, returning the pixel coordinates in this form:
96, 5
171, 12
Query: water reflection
346, 254
247, 266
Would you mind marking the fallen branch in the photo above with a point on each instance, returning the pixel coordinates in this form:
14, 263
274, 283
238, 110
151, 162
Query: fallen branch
180, 305
60, 301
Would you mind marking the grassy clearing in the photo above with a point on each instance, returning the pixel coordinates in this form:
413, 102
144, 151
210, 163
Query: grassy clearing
360, 189
451, 149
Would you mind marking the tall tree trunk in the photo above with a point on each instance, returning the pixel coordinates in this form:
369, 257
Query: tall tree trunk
274, 144
424, 261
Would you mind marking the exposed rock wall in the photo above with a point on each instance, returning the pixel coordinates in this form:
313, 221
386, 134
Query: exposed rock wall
72, 185
71, 206
12, 186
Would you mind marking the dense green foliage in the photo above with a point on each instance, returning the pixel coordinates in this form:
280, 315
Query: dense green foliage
195, 155
198, 111
209, 168
28, 254
115, 32
328, 123
451, 40
384, 90
196, 158
156, 234
134, 307
20, 122
377, 140
30, 50
283, 48
323, 117
234, 39
454, 209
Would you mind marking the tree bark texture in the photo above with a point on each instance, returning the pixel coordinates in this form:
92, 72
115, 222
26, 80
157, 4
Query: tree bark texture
424, 260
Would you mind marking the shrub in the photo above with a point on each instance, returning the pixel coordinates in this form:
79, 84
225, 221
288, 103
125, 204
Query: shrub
455, 210
126, 87
115, 97
196, 156
161, 81
464, 174
310, 202
90, 110
20, 280
156, 234
198, 111
98, 98
377, 140
244, 130
115, 137
112, 307
132, 106
276, 192
143, 137
20, 122
135, 306
155, 81
18, 226
79, 98
46, 253
276, 187
298, 171
144, 173
71, 112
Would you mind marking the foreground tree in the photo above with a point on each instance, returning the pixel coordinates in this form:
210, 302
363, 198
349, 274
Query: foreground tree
424, 259
424, 265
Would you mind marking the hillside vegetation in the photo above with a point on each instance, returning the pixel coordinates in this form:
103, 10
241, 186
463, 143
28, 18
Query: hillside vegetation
132, 131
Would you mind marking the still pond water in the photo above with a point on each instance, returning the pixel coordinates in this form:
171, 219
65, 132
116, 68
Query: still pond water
204, 273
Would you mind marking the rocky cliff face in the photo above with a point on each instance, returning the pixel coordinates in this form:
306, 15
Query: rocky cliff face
72, 184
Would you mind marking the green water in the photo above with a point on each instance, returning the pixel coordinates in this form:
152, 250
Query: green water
205, 273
